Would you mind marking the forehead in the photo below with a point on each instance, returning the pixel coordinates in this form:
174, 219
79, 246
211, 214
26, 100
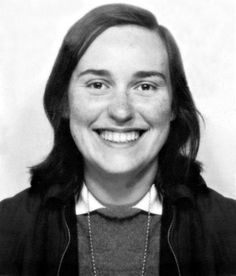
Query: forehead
126, 43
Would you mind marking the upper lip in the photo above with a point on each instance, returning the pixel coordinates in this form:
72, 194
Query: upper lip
121, 130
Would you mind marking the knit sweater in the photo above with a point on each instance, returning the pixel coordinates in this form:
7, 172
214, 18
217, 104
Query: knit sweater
118, 240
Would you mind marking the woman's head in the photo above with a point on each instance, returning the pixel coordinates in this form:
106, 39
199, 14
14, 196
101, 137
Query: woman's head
120, 102
183, 132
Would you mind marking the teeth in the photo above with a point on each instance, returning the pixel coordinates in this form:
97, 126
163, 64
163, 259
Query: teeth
118, 137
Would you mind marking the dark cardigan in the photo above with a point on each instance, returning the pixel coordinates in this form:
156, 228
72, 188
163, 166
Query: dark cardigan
38, 235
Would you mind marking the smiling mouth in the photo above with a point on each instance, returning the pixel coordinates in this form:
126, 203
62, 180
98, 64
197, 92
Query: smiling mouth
120, 137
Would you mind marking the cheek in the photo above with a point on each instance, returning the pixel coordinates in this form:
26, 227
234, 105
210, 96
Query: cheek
163, 116
158, 113
79, 123
82, 111
84, 106
78, 116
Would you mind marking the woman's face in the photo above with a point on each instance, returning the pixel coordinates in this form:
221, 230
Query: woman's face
120, 100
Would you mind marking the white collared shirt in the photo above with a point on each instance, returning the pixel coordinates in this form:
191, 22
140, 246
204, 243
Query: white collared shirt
155, 203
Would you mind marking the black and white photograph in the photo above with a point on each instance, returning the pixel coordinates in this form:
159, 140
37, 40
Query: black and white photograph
117, 144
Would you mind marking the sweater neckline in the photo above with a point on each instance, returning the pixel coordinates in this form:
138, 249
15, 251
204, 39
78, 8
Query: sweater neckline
119, 212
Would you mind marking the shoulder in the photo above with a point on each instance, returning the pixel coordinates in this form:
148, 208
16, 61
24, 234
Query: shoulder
217, 214
217, 220
216, 211
25, 201
215, 203
17, 216
16, 212
208, 200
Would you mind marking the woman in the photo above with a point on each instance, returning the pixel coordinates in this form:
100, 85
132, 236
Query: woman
121, 192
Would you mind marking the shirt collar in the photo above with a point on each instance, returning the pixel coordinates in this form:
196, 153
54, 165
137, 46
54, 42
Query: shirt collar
143, 204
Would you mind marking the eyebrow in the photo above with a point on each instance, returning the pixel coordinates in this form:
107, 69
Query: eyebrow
147, 74
102, 73
139, 74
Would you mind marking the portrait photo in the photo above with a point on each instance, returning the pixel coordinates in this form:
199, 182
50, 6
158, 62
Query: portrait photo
117, 145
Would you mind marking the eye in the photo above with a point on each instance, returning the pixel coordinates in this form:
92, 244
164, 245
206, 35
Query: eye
146, 87
97, 85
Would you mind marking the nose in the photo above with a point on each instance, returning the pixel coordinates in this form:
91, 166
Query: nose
120, 108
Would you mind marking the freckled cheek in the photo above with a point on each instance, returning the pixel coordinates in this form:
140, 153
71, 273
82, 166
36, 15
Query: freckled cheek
83, 112
80, 116
158, 114
163, 115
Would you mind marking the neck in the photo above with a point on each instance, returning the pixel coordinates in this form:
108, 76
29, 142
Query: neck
120, 189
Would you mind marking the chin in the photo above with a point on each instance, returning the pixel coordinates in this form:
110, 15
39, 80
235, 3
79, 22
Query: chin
117, 169
121, 167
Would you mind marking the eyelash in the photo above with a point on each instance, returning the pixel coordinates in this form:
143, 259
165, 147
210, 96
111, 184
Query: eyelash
152, 87
140, 86
92, 85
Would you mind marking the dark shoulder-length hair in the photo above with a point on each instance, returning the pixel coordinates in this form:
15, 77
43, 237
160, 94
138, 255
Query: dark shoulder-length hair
64, 164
